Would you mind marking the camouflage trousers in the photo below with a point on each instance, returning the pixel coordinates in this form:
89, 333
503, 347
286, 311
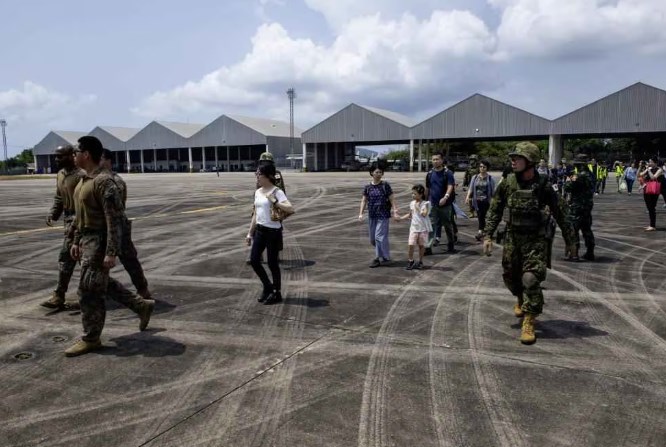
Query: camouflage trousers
525, 253
96, 284
582, 223
129, 259
65, 262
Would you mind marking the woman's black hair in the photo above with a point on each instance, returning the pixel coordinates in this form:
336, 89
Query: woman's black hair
485, 163
420, 189
267, 171
374, 166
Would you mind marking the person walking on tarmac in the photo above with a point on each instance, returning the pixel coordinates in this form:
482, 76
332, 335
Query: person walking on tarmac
128, 256
579, 195
532, 205
63, 205
440, 192
470, 172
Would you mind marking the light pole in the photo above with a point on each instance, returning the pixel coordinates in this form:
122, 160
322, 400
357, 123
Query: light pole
3, 123
291, 94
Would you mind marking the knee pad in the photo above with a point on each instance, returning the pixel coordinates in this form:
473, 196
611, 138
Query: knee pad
530, 280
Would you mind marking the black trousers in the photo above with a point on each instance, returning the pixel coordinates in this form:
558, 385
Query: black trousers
651, 204
482, 210
269, 239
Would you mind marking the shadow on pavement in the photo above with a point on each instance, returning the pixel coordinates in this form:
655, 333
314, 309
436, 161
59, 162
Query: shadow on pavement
308, 302
560, 329
147, 345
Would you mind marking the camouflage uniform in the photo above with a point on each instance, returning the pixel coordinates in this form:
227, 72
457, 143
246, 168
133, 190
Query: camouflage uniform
580, 198
469, 173
526, 247
63, 204
99, 220
128, 256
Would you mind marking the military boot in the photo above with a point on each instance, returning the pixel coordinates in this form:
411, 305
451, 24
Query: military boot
145, 294
573, 255
589, 254
82, 347
527, 335
144, 314
518, 311
56, 301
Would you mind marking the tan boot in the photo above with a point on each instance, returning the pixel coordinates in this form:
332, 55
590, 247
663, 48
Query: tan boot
55, 302
527, 335
518, 311
82, 347
145, 294
145, 313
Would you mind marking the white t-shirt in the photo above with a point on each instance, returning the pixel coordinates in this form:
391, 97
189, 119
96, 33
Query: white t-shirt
263, 207
420, 223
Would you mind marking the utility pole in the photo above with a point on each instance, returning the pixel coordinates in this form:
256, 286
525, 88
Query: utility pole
291, 93
3, 123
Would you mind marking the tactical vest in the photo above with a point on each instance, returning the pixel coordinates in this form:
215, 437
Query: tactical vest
526, 207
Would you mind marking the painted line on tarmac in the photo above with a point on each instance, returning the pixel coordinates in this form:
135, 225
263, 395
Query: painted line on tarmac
201, 210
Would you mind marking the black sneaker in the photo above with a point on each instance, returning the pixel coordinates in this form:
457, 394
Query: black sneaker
375, 263
436, 242
451, 249
428, 251
418, 266
410, 265
274, 298
264, 295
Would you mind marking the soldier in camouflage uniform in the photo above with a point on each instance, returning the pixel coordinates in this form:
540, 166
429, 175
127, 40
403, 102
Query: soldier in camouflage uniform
128, 255
471, 171
63, 205
97, 237
531, 203
579, 194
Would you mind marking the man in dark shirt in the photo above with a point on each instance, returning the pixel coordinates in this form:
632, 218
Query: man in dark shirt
439, 191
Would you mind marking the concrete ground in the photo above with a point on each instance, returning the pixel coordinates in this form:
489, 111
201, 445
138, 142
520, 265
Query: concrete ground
353, 356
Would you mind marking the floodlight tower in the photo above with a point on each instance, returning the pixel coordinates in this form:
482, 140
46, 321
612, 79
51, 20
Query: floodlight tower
3, 124
291, 94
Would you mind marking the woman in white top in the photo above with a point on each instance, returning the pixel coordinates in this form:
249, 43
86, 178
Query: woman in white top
266, 234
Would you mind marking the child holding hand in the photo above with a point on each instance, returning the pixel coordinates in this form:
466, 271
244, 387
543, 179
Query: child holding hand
419, 212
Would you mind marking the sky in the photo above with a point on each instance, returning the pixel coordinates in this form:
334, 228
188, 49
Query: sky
77, 64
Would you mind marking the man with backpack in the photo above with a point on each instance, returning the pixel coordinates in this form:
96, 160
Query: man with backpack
439, 191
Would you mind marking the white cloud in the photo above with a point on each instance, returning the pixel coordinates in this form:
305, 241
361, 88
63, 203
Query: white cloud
36, 103
372, 60
580, 28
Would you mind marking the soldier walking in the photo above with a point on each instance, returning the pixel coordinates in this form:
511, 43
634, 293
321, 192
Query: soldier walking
128, 255
99, 218
578, 192
471, 171
532, 204
63, 205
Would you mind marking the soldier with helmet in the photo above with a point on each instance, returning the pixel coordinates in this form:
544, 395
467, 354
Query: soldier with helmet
532, 204
63, 205
471, 171
579, 195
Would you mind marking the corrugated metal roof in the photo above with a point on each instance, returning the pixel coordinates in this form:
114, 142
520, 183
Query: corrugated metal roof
122, 133
267, 127
481, 117
71, 136
394, 116
637, 108
185, 130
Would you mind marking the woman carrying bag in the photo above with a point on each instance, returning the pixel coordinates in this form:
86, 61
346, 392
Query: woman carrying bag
270, 207
479, 194
652, 175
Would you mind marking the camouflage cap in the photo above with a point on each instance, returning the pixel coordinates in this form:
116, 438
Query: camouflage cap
529, 151
68, 149
473, 157
266, 156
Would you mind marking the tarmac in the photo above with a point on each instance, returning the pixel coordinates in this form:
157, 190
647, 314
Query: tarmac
353, 356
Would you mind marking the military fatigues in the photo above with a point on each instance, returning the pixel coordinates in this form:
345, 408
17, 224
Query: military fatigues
128, 256
526, 247
580, 198
99, 220
469, 173
63, 204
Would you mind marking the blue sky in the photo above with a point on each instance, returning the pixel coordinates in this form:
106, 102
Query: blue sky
73, 64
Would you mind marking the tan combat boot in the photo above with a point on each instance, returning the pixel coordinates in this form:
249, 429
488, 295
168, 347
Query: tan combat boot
82, 347
145, 313
55, 302
527, 335
518, 311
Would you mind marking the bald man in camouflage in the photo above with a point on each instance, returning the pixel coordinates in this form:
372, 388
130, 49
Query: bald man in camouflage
532, 204
63, 205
